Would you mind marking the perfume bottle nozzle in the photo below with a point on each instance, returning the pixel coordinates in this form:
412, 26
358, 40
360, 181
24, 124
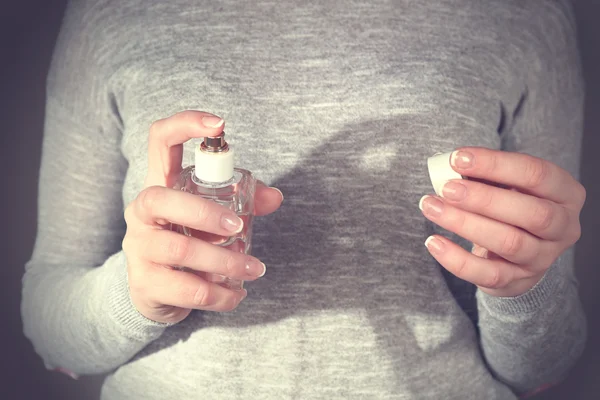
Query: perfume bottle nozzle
215, 144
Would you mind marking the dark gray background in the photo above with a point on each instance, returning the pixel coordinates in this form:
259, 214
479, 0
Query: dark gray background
27, 33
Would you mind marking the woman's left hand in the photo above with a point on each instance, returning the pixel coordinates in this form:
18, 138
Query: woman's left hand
517, 232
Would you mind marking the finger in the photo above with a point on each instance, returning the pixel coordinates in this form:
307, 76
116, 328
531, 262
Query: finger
183, 289
172, 249
483, 272
155, 205
266, 199
509, 242
165, 143
529, 174
542, 218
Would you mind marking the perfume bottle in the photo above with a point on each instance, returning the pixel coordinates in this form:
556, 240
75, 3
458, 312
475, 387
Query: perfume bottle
214, 177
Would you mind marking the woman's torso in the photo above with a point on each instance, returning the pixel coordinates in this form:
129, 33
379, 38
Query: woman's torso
338, 104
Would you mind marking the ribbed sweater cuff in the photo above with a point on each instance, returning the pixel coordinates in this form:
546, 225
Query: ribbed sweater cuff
120, 308
541, 295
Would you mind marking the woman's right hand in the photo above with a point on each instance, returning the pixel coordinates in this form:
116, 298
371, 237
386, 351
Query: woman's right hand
158, 291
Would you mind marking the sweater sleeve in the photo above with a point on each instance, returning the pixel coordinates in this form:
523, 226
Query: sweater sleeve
533, 340
76, 308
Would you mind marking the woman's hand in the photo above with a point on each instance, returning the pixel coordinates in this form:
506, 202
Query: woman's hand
517, 232
159, 292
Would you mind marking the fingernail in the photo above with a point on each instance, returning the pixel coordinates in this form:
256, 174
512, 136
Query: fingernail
431, 206
232, 223
279, 193
462, 159
454, 191
65, 371
212, 121
434, 244
255, 268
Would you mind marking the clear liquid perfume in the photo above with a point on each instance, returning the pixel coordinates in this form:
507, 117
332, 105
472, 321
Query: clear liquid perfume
214, 177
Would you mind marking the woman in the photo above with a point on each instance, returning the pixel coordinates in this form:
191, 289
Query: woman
338, 105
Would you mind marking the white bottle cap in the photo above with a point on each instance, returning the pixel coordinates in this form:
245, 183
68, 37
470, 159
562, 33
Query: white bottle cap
440, 171
214, 166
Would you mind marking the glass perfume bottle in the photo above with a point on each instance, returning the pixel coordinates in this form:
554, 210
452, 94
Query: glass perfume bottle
214, 177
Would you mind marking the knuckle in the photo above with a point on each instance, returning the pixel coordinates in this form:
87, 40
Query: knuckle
179, 249
156, 128
459, 221
542, 217
486, 198
128, 213
494, 278
126, 244
202, 212
202, 296
575, 233
461, 267
492, 166
536, 172
231, 264
150, 198
513, 243
581, 194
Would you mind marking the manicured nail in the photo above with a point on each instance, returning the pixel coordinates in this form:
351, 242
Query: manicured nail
454, 191
279, 193
212, 121
431, 206
71, 374
462, 159
255, 268
434, 244
232, 223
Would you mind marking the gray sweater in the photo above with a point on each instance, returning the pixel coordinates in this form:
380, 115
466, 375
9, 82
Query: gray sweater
338, 104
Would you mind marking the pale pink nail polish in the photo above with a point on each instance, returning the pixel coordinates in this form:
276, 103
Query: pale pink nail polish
431, 206
279, 193
434, 244
232, 223
255, 268
212, 121
462, 159
454, 191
